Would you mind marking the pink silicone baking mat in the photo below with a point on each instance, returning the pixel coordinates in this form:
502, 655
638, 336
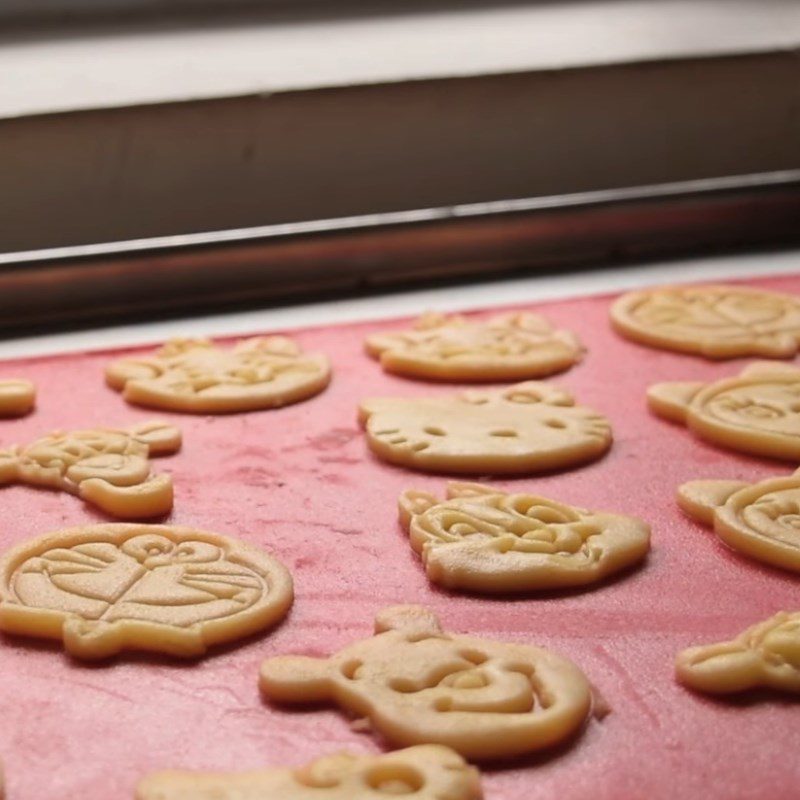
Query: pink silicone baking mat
300, 483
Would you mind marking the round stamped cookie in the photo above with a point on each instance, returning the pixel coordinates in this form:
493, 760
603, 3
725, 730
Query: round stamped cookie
713, 321
485, 540
527, 428
757, 412
417, 684
195, 376
17, 397
765, 655
103, 589
428, 772
504, 347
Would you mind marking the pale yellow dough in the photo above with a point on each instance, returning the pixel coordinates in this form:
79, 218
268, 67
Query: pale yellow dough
757, 412
417, 684
761, 520
765, 655
714, 321
103, 589
526, 428
505, 347
427, 772
195, 376
488, 541
17, 397
106, 467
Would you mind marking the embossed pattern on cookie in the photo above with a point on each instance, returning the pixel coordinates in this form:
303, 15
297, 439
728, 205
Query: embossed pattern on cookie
195, 376
485, 540
417, 684
107, 467
714, 321
426, 772
17, 397
765, 655
503, 347
526, 428
102, 589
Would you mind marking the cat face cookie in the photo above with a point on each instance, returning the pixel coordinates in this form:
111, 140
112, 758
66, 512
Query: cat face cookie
107, 467
17, 397
195, 376
713, 321
505, 347
527, 428
417, 684
484, 540
103, 589
426, 772
761, 520
757, 412
765, 655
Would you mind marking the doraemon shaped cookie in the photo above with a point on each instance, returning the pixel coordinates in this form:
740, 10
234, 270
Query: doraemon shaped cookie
426, 772
526, 428
417, 684
756, 412
485, 540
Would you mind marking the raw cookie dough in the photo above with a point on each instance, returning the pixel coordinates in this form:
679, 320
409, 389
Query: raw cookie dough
419, 685
486, 540
757, 412
713, 321
427, 772
17, 397
766, 654
107, 588
529, 427
761, 520
195, 376
106, 467
505, 347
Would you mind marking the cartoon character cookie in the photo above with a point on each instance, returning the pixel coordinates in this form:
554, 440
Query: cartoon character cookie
426, 772
526, 428
757, 412
505, 347
107, 588
761, 520
713, 321
17, 397
106, 467
766, 654
486, 540
195, 376
417, 684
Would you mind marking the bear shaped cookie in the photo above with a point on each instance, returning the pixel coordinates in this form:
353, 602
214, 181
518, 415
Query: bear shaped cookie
107, 467
195, 376
757, 412
17, 397
426, 772
485, 540
506, 347
765, 655
526, 428
417, 684
713, 321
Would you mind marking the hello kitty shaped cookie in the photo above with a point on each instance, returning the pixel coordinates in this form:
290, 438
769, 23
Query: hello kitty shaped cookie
713, 321
107, 467
765, 655
103, 589
757, 412
485, 540
417, 684
526, 428
760, 520
426, 772
195, 376
505, 347
17, 397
